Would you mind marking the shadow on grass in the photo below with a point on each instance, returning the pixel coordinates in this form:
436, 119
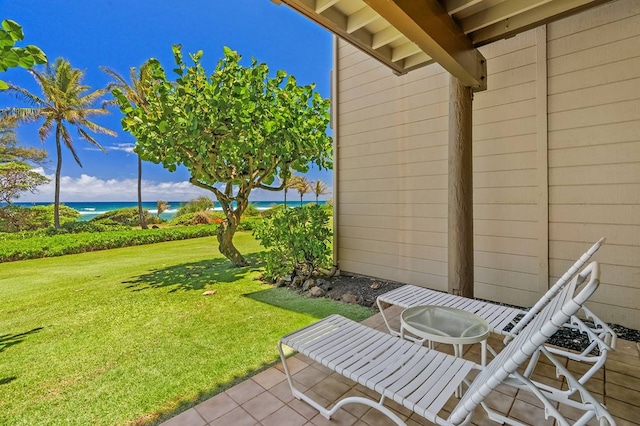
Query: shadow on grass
193, 276
8, 340
315, 307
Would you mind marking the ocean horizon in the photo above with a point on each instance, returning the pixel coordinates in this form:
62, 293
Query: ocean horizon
90, 209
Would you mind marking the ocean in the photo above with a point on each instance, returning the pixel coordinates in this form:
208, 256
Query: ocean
89, 210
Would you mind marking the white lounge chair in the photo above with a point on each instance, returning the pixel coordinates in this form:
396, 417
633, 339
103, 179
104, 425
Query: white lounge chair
500, 318
423, 380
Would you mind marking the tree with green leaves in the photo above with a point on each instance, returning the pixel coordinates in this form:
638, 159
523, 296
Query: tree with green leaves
234, 130
16, 172
319, 188
13, 56
136, 91
301, 184
63, 102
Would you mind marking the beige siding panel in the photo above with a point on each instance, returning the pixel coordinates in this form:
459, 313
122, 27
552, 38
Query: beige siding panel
437, 141
438, 239
594, 37
508, 212
364, 135
612, 52
382, 109
410, 116
628, 194
507, 262
394, 184
601, 174
593, 96
623, 70
517, 195
362, 171
432, 281
605, 134
422, 196
509, 145
507, 229
504, 179
438, 254
515, 161
512, 77
617, 153
423, 266
595, 214
514, 60
431, 210
504, 96
408, 156
594, 18
513, 296
516, 246
619, 233
502, 113
596, 115
508, 47
391, 222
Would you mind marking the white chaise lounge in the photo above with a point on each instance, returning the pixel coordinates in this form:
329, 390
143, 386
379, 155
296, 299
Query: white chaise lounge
423, 380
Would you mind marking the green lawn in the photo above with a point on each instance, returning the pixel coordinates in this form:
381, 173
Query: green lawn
125, 336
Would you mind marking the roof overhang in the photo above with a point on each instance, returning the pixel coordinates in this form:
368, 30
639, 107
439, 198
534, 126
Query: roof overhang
408, 34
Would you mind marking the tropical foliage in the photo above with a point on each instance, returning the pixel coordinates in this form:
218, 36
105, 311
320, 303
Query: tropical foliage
235, 130
64, 102
319, 188
13, 56
136, 91
127, 216
16, 173
12, 249
16, 218
199, 204
297, 241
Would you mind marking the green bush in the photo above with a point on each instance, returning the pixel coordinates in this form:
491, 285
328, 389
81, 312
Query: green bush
249, 223
128, 216
91, 226
297, 241
197, 218
196, 205
251, 211
17, 218
57, 245
272, 211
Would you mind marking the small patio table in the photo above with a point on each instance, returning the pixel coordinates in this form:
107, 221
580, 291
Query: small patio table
446, 325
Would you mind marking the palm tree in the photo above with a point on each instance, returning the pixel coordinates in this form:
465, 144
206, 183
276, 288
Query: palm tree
137, 93
301, 184
63, 102
319, 188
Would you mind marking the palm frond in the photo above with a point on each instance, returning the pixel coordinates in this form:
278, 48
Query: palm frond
68, 142
45, 130
24, 115
96, 128
91, 140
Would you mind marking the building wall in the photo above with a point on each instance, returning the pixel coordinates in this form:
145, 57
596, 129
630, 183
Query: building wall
556, 163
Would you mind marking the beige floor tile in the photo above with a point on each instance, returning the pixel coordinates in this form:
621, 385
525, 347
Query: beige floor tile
529, 414
304, 409
310, 376
621, 393
622, 368
245, 391
282, 391
285, 416
340, 418
624, 380
374, 417
330, 389
269, 378
216, 407
236, 417
186, 418
262, 405
623, 410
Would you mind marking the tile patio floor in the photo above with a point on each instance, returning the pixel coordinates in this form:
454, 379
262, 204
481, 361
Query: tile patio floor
265, 399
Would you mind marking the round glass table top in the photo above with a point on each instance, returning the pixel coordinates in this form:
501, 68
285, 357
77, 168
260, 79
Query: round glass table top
444, 324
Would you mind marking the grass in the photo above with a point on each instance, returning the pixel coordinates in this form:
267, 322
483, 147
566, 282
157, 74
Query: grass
125, 336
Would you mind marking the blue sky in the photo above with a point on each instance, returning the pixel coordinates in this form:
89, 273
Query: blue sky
120, 34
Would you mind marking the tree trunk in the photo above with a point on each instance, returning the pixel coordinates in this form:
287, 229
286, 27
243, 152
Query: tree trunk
285, 197
56, 202
143, 222
225, 243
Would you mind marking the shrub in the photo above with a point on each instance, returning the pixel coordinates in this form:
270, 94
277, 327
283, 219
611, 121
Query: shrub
197, 218
128, 216
60, 244
16, 218
249, 223
272, 210
196, 205
297, 241
251, 211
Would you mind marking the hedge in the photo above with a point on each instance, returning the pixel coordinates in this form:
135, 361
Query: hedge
12, 249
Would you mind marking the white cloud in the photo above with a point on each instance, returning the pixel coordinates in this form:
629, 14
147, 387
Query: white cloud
91, 188
126, 147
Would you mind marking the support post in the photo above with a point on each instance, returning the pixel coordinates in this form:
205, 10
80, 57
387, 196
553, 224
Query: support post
460, 232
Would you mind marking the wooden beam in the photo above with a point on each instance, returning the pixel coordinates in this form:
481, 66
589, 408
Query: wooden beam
417, 60
544, 14
460, 216
455, 6
384, 37
498, 13
404, 51
358, 20
322, 5
428, 25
